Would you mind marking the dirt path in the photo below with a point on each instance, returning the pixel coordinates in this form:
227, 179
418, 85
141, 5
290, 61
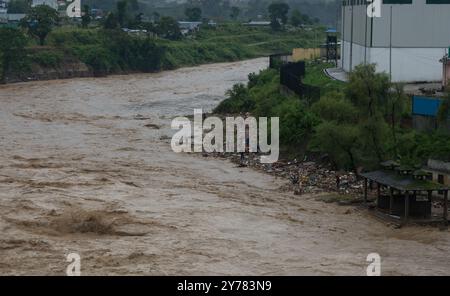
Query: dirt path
86, 167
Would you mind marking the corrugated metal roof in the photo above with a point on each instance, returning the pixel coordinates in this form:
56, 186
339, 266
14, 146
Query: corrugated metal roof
402, 182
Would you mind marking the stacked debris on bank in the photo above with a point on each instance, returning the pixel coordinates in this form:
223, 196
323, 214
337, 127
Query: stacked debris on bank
305, 177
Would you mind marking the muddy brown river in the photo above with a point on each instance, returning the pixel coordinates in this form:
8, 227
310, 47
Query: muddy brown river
86, 167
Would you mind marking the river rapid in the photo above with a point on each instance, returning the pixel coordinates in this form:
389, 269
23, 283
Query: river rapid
86, 167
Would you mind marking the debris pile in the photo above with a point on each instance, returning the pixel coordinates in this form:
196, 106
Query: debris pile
305, 177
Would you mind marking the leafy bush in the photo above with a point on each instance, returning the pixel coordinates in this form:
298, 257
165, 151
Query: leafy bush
238, 101
47, 58
262, 98
12, 52
100, 59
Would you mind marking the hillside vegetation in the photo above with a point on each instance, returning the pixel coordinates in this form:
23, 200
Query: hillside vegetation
354, 124
114, 51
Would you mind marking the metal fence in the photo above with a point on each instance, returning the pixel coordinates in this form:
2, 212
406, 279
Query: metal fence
291, 75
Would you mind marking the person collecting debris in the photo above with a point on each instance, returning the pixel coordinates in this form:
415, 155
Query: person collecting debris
247, 147
247, 143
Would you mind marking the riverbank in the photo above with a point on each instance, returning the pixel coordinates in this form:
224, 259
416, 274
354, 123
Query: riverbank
72, 52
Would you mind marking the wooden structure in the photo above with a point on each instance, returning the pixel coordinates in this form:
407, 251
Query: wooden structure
410, 191
305, 54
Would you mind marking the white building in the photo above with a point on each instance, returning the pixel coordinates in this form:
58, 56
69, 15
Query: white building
407, 41
52, 3
3, 6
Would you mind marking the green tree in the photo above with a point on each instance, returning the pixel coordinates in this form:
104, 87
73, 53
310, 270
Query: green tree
369, 92
40, 21
296, 123
338, 134
86, 16
137, 22
194, 14
235, 12
396, 105
278, 12
334, 107
238, 101
168, 28
122, 12
12, 50
296, 18
110, 22
156, 16
360, 125
339, 141
306, 19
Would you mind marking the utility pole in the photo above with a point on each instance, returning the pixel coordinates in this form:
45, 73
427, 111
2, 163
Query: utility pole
351, 41
365, 37
343, 36
390, 49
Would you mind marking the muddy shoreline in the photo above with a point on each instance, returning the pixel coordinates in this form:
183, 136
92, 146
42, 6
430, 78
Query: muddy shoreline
77, 69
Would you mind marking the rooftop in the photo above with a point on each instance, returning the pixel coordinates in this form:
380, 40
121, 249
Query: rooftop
403, 182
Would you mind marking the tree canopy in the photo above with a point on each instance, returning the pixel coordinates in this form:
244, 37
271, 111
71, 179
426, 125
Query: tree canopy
278, 12
193, 14
12, 53
40, 21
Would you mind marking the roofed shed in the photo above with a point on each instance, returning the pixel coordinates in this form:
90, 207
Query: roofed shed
410, 191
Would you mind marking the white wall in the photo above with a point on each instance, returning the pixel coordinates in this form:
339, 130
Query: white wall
413, 26
359, 54
52, 3
408, 64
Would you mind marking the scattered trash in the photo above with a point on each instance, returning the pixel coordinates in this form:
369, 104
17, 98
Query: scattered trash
305, 177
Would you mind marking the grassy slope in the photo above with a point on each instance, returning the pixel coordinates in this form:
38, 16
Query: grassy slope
315, 76
262, 97
229, 42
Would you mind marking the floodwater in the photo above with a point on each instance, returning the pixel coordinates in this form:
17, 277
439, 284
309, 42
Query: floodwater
86, 167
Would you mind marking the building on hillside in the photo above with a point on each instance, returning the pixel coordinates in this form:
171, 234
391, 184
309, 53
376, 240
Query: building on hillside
15, 17
190, 27
11, 19
97, 13
440, 170
258, 24
52, 3
407, 41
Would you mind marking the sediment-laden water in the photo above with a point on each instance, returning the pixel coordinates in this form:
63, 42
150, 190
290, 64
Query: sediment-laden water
86, 167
